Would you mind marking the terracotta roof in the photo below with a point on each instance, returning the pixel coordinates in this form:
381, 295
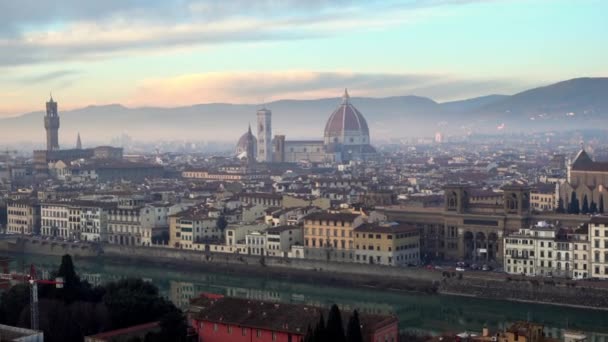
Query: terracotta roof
290, 318
348, 217
387, 229
346, 118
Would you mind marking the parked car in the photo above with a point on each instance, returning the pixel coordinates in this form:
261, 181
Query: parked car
486, 268
460, 269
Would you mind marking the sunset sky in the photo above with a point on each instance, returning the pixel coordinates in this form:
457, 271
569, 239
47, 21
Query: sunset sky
181, 52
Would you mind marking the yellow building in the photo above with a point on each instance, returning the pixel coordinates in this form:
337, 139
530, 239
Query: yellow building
387, 244
329, 235
193, 228
23, 217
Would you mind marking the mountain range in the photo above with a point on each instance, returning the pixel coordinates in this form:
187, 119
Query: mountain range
573, 104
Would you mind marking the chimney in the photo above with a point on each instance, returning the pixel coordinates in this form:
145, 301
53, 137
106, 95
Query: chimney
485, 332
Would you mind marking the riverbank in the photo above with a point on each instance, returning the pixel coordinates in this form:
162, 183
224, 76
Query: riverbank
552, 292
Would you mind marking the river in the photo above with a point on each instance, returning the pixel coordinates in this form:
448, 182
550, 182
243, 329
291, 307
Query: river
417, 312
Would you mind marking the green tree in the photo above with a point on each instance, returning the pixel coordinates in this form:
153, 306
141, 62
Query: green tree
320, 331
574, 205
134, 301
335, 329
353, 329
310, 335
13, 302
585, 208
593, 207
172, 328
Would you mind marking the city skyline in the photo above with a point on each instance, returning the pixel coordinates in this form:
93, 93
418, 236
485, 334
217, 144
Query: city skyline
189, 52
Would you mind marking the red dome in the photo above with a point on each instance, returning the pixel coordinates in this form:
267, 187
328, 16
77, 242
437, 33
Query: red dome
346, 119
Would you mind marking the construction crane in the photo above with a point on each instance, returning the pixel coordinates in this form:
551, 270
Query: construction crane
32, 279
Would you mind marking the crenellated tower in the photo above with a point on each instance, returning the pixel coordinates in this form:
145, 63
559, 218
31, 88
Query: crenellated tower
51, 124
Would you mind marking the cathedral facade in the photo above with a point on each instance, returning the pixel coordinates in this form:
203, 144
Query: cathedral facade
586, 185
346, 137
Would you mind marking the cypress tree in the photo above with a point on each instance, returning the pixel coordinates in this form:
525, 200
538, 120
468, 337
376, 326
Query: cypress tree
593, 208
601, 206
585, 209
335, 329
310, 335
320, 334
353, 330
574, 205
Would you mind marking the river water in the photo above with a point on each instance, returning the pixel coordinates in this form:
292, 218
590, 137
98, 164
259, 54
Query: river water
416, 312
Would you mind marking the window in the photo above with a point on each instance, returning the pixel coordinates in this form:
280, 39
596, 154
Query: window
244, 331
258, 333
215, 327
230, 329
274, 336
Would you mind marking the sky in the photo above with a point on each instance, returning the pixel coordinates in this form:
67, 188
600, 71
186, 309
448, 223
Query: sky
181, 52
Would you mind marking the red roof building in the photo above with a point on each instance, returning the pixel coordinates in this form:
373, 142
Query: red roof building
229, 319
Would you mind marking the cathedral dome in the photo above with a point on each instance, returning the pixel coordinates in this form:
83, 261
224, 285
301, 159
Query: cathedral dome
244, 141
346, 125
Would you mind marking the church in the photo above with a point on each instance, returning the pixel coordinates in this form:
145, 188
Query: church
346, 138
586, 184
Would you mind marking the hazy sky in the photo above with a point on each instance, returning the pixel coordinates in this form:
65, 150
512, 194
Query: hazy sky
180, 52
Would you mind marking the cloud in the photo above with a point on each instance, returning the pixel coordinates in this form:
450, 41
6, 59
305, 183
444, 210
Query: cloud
44, 32
237, 87
49, 76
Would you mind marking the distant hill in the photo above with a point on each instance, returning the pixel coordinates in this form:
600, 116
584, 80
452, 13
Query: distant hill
573, 104
580, 101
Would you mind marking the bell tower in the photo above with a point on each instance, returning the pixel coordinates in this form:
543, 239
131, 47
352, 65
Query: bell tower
264, 135
51, 124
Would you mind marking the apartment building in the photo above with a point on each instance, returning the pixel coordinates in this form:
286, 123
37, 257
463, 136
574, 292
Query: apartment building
330, 235
387, 244
55, 220
598, 236
23, 216
546, 250
193, 226
280, 239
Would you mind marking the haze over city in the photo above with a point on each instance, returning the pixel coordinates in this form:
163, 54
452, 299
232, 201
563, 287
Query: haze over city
303, 171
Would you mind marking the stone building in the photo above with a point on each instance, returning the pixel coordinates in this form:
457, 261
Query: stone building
587, 179
545, 250
598, 235
470, 225
387, 244
330, 235
53, 153
346, 137
23, 216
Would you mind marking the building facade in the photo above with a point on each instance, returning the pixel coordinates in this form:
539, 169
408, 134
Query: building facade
264, 145
598, 235
387, 244
587, 181
330, 236
346, 137
51, 124
23, 217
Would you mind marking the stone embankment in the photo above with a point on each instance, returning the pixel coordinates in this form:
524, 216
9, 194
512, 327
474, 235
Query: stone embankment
313, 271
474, 284
545, 291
